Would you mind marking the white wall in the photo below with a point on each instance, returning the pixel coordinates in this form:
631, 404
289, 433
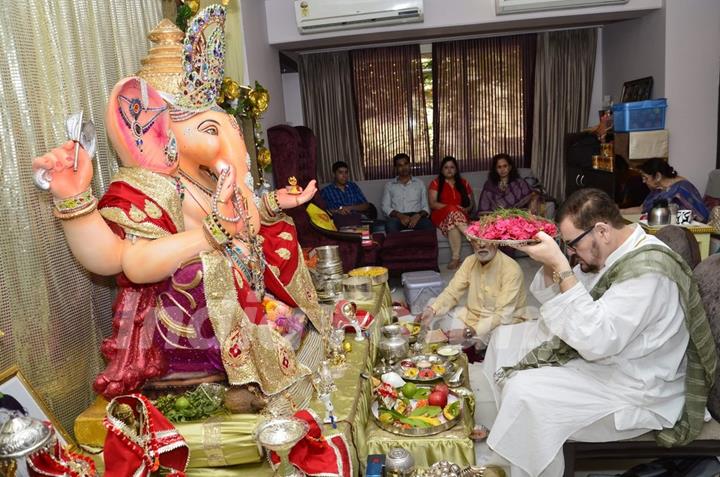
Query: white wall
596, 99
692, 59
293, 99
262, 60
634, 49
443, 17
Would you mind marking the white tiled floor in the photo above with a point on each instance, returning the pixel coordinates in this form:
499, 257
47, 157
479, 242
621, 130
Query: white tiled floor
530, 267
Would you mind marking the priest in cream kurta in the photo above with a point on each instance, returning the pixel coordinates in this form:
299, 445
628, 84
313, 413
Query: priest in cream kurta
495, 291
632, 342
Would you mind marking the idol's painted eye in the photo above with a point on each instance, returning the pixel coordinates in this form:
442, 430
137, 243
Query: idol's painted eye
209, 126
210, 130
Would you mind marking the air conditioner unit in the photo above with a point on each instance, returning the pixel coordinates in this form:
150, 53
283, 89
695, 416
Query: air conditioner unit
503, 7
326, 15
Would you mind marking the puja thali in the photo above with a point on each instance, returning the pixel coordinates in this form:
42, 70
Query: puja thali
415, 416
424, 368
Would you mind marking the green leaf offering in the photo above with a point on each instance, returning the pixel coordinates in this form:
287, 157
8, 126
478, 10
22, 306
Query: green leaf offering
427, 411
421, 393
414, 422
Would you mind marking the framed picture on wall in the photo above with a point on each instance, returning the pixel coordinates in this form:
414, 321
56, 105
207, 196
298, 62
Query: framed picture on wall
16, 394
637, 90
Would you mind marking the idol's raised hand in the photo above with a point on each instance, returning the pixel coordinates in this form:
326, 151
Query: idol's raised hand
287, 200
56, 167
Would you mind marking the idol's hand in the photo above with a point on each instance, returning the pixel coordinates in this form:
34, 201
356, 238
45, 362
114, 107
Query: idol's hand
546, 252
288, 201
56, 167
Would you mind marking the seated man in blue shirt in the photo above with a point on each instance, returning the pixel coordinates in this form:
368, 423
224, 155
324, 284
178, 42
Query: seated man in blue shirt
344, 199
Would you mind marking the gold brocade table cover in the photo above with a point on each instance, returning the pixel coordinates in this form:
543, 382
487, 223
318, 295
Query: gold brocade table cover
222, 444
453, 445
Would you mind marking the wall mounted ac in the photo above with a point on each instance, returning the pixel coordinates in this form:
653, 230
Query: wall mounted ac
326, 15
503, 7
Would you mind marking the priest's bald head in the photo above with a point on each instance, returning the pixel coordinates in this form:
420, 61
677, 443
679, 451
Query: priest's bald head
591, 227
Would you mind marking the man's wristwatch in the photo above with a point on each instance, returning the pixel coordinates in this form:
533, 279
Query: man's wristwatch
558, 277
468, 332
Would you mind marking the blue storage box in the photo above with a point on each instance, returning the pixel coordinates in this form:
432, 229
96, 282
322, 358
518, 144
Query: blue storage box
640, 115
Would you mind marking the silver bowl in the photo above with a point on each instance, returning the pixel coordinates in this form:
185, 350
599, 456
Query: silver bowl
399, 463
23, 435
280, 435
357, 288
378, 278
328, 253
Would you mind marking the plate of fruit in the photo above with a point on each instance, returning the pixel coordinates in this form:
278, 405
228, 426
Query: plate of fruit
510, 227
416, 410
423, 368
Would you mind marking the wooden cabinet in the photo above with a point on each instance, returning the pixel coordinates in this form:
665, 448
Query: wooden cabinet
624, 185
578, 178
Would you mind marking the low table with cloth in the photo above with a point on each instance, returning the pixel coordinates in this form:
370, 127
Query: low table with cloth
702, 232
225, 445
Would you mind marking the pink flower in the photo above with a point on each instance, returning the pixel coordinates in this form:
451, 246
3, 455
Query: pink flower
510, 228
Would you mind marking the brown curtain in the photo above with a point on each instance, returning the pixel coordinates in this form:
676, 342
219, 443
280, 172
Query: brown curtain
57, 58
482, 91
563, 90
329, 110
390, 100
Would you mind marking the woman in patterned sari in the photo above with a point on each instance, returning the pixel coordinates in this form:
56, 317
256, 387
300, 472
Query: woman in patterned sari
505, 188
451, 200
664, 183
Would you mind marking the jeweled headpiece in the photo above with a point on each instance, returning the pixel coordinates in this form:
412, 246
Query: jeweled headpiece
203, 60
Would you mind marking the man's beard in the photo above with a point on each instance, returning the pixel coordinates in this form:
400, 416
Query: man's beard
595, 254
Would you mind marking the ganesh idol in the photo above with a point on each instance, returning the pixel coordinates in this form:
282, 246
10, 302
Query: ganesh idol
211, 279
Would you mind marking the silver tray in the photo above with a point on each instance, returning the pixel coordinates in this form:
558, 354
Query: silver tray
419, 431
434, 359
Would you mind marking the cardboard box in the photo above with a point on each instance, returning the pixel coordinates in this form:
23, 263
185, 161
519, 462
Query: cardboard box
637, 147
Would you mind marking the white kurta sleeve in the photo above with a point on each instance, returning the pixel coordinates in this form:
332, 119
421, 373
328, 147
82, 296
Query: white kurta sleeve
602, 328
540, 291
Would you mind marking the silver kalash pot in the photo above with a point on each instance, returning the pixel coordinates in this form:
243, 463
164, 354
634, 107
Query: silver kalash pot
659, 214
393, 346
399, 463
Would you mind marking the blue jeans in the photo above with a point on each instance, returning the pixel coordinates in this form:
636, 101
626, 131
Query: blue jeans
393, 225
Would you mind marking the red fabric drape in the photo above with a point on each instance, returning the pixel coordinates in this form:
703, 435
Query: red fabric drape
388, 86
483, 97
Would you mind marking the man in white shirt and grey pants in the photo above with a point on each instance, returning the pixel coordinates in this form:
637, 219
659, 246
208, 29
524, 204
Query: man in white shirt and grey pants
405, 201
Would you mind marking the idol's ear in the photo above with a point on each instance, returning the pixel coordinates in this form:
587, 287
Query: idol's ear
138, 125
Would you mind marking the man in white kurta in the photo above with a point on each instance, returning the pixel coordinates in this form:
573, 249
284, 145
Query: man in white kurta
632, 343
